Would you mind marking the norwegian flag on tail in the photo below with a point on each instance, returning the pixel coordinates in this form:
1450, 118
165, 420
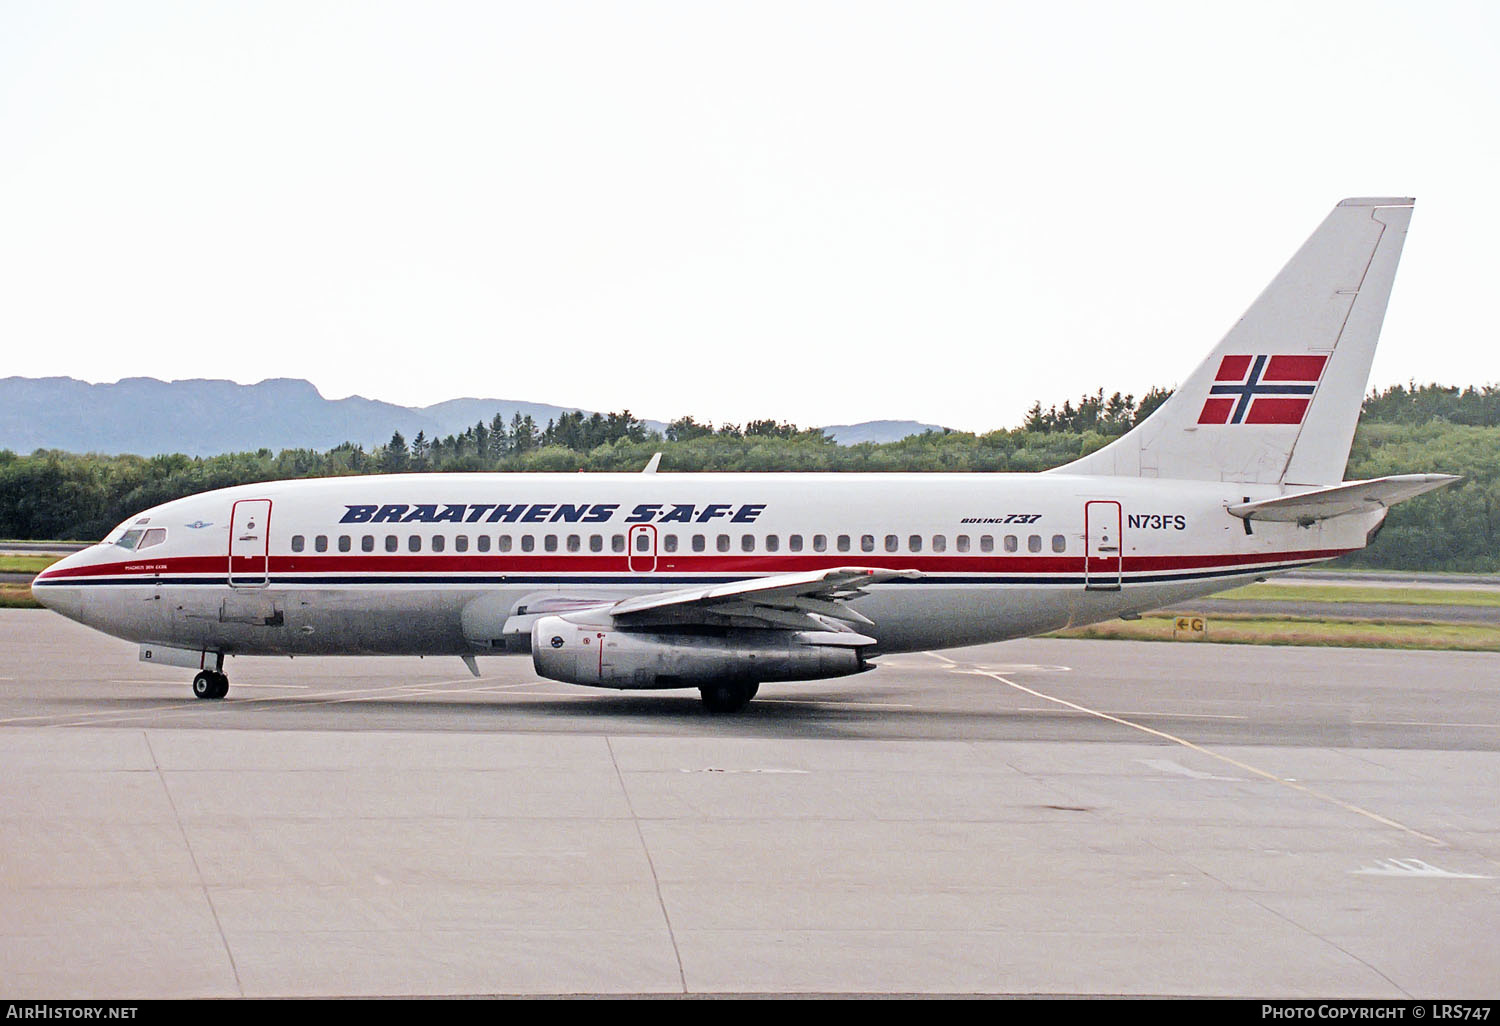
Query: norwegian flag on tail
1262, 390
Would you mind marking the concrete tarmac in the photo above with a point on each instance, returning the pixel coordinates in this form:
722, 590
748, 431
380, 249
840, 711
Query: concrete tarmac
1040, 817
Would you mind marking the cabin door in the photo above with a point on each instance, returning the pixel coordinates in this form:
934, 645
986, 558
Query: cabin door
1103, 568
250, 544
640, 554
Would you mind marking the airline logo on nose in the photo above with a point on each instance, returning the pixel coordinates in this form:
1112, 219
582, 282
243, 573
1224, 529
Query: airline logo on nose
1262, 390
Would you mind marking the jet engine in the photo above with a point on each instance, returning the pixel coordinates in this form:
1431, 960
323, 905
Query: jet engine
609, 657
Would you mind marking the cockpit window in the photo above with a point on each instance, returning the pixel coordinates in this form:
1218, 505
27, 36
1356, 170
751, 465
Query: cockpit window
155, 536
129, 539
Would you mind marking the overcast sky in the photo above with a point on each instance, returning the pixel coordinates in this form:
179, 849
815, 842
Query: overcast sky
817, 212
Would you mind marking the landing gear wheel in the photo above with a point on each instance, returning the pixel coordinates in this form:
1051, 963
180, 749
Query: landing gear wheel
728, 696
209, 684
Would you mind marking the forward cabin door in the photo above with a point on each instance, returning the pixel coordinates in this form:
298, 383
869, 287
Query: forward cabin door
1103, 565
250, 544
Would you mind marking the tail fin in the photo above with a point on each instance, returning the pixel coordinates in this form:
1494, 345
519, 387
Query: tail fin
1278, 400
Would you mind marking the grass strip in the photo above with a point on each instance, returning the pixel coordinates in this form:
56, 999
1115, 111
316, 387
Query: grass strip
1363, 593
25, 564
1233, 629
17, 596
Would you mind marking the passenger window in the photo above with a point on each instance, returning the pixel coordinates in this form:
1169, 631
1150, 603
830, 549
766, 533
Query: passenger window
986, 543
504, 543
367, 543
773, 543
843, 543
939, 543
617, 543
1059, 543
575, 543
1034, 543
320, 543
482, 543
391, 543
549, 542
461, 543
794, 543
747, 543
414, 543
596, 543
643, 542
820, 543
528, 543
155, 536
345, 543
892, 543
439, 542
867, 543
700, 543
961, 543
722, 543
669, 543
298, 543
1011, 544
914, 543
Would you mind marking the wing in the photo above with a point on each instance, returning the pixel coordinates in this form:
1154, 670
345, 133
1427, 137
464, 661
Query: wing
814, 601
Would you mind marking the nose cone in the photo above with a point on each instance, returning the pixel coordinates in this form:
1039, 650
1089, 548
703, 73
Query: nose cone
52, 587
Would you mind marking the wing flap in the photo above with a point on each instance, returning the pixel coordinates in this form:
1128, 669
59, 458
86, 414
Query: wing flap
805, 601
1342, 500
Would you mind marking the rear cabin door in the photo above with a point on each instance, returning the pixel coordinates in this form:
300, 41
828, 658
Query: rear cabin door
250, 544
1102, 566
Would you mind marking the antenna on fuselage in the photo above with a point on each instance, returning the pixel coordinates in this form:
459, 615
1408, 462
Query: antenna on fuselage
651, 466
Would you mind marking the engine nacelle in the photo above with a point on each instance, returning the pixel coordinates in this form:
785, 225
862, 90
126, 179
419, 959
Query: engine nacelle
612, 658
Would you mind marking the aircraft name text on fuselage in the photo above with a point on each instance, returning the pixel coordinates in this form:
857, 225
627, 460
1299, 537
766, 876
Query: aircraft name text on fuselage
549, 513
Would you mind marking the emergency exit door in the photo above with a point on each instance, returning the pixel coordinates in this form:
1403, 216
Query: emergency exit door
1103, 563
250, 544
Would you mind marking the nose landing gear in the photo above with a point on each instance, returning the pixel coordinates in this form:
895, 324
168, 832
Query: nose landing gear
209, 684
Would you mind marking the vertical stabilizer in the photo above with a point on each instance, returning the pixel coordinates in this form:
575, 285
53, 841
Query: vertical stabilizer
1277, 401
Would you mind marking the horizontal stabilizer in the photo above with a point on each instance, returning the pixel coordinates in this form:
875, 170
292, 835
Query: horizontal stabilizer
1340, 500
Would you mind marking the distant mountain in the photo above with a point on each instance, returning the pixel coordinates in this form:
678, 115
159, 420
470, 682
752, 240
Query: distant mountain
204, 417
878, 431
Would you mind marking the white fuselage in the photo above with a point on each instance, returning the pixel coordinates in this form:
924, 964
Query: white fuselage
437, 563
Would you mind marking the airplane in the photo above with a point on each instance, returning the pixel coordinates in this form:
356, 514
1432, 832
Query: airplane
722, 582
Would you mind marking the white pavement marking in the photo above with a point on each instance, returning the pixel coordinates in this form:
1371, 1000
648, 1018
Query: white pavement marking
958, 667
1415, 867
1168, 766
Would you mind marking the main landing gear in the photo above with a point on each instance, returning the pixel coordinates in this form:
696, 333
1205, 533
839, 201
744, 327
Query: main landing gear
210, 684
728, 696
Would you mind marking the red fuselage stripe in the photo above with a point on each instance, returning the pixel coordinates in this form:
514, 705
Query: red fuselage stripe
675, 563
